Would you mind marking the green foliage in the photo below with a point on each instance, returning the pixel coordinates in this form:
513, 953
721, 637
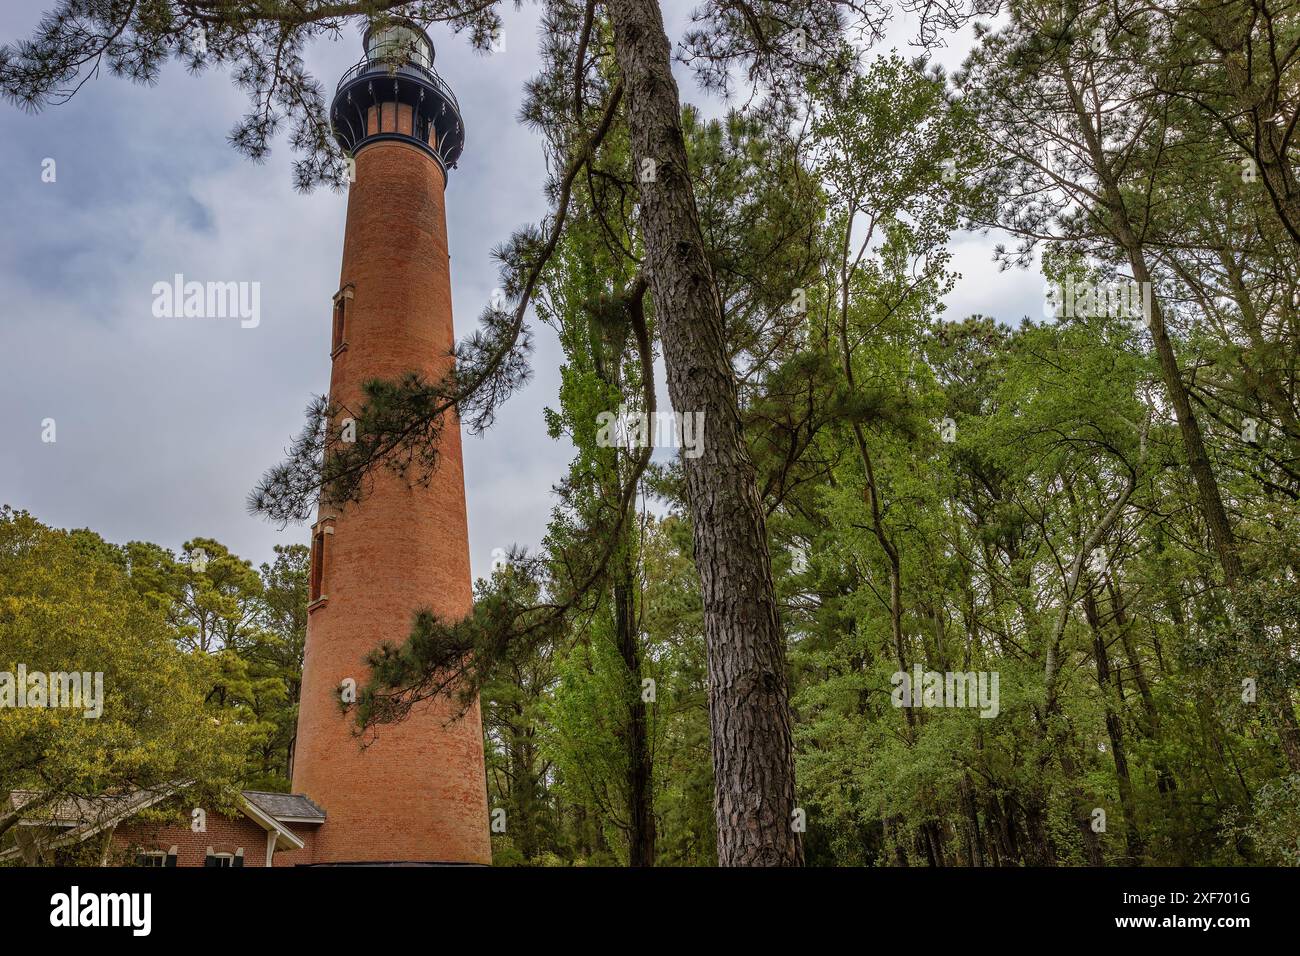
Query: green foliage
66, 604
1057, 503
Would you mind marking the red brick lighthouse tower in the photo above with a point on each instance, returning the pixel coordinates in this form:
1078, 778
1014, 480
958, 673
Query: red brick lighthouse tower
416, 794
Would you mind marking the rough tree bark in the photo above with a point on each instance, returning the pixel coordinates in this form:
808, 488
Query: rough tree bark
753, 753
640, 776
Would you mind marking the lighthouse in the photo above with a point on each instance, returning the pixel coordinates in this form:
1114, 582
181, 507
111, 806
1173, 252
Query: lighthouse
416, 793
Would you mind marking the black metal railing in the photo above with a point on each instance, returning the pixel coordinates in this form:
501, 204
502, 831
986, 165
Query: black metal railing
380, 88
386, 67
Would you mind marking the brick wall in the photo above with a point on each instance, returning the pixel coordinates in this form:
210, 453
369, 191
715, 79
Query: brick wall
417, 792
223, 834
307, 834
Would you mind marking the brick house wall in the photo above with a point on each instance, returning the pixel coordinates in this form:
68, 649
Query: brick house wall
224, 835
305, 833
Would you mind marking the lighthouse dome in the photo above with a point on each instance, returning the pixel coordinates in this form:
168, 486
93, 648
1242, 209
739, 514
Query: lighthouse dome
398, 41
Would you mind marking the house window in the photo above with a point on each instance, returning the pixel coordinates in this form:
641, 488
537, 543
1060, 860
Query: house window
158, 858
224, 859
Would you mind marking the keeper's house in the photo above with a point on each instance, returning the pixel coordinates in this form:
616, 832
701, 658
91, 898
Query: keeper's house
268, 829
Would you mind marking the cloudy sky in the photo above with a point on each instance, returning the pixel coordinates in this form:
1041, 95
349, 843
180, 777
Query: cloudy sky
163, 425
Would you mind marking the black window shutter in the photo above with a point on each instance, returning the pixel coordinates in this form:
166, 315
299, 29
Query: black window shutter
171, 860
140, 859
210, 860
238, 861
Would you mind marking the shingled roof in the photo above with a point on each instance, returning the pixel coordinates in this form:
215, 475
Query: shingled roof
83, 817
99, 811
286, 807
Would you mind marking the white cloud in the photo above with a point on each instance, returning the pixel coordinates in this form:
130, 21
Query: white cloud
164, 425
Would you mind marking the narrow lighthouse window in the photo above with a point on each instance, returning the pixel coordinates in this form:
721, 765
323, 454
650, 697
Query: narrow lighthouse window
340, 317
339, 339
317, 562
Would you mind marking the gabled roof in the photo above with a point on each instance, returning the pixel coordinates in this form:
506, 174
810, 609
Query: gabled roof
285, 839
286, 807
83, 817
81, 812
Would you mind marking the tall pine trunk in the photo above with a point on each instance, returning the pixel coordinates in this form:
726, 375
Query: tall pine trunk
640, 776
1127, 237
753, 752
